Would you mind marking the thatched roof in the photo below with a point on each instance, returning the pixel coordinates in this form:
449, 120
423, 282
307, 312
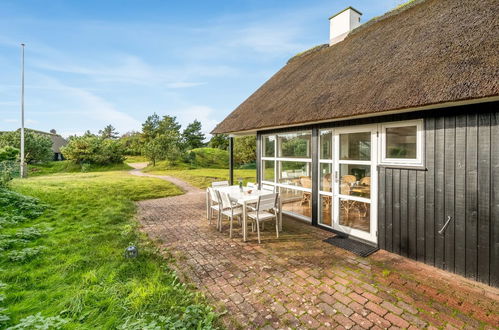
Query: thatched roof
430, 52
57, 140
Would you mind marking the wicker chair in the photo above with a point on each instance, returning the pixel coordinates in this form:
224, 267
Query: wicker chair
306, 182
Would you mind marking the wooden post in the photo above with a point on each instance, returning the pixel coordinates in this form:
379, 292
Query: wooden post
231, 161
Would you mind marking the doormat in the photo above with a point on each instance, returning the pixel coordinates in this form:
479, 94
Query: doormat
359, 248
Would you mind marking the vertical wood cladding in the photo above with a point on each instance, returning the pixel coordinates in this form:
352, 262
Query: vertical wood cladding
461, 181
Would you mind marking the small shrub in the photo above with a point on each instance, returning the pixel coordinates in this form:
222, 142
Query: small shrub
25, 254
29, 233
38, 321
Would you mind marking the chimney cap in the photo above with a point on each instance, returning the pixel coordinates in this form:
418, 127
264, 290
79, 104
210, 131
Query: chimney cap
349, 7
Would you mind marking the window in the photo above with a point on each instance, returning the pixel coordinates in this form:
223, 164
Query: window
402, 143
294, 145
269, 146
286, 165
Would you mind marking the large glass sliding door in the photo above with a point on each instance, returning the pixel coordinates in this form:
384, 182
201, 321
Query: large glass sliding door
347, 180
286, 164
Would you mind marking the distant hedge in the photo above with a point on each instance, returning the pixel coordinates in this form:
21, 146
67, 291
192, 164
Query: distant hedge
209, 158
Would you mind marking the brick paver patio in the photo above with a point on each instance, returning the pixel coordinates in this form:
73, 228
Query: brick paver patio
298, 281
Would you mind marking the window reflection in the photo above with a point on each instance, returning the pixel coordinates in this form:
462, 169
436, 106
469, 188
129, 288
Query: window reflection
355, 146
295, 174
355, 180
295, 201
294, 145
401, 142
326, 182
355, 215
269, 146
326, 207
268, 170
326, 144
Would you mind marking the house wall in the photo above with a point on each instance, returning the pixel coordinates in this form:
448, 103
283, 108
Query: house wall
459, 179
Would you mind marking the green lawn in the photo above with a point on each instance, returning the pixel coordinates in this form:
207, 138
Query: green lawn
136, 159
67, 166
203, 177
68, 264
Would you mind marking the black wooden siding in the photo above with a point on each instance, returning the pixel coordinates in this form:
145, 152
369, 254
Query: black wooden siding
460, 180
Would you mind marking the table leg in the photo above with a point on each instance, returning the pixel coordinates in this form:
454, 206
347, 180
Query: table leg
244, 222
208, 208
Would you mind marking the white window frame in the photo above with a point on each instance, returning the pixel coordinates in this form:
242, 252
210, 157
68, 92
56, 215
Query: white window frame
419, 160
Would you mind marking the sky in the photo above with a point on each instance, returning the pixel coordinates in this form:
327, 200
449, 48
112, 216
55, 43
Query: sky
92, 63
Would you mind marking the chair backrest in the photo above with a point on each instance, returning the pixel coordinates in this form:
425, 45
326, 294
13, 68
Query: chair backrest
306, 182
213, 195
326, 184
250, 185
348, 179
366, 181
267, 187
267, 202
220, 184
344, 189
225, 199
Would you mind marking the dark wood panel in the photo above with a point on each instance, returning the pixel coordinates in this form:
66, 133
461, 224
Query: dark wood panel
430, 192
412, 214
404, 206
381, 207
494, 200
471, 195
439, 191
460, 196
483, 196
396, 211
449, 190
420, 216
389, 209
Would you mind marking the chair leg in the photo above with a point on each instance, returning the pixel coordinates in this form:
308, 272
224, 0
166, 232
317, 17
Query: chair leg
230, 228
258, 230
277, 226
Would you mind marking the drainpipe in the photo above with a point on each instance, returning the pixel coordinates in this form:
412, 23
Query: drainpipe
231, 161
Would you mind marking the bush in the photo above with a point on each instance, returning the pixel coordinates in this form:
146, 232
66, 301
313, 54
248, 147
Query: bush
8, 153
94, 150
38, 147
208, 158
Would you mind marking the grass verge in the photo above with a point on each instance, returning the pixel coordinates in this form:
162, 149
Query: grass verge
67, 166
203, 177
65, 267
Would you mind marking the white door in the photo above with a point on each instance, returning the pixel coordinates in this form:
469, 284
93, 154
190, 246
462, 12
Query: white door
354, 189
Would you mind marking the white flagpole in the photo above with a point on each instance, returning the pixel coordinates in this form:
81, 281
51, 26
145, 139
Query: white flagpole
23, 165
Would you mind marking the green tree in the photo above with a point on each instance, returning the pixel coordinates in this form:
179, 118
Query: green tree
163, 139
192, 136
37, 147
132, 142
9, 153
93, 150
109, 132
219, 141
245, 149
150, 128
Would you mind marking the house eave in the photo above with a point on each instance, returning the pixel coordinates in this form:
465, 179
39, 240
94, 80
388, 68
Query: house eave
376, 114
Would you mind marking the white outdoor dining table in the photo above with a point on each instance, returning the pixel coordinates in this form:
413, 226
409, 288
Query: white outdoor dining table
244, 198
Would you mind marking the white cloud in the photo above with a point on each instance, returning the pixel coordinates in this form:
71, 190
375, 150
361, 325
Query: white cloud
184, 84
10, 120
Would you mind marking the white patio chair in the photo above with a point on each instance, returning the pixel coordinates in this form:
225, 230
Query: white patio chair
252, 185
268, 187
219, 184
229, 209
261, 214
214, 204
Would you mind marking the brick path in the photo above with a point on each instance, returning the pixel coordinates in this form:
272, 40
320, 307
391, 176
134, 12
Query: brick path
298, 281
